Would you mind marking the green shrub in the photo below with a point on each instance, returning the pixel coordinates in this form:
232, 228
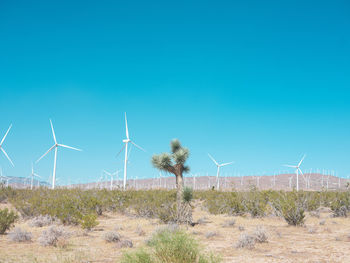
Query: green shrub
222, 202
340, 205
173, 246
255, 203
89, 221
177, 247
167, 213
139, 256
187, 194
291, 206
6, 220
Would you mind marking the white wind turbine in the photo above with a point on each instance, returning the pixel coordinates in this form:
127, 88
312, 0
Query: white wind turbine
194, 181
218, 171
111, 175
2, 177
55, 146
126, 141
2, 149
297, 170
32, 177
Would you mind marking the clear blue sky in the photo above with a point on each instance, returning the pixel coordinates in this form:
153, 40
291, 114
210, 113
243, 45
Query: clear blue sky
257, 82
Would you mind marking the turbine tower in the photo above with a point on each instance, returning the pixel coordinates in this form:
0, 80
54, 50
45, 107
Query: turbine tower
32, 177
297, 170
126, 141
55, 146
218, 171
2, 149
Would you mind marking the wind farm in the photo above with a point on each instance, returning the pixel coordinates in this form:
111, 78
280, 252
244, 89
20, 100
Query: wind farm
174, 132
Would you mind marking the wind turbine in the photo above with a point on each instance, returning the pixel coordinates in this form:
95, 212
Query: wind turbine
32, 177
194, 181
111, 175
2, 149
297, 170
55, 146
218, 171
126, 141
2, 177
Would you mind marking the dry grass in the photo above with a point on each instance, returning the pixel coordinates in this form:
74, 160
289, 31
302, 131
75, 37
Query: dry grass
329, 243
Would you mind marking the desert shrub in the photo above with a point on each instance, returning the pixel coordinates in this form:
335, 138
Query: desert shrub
241, 228
177, 247
154, 204
126, 243
19, 235
340, 205
167, 213
140, 231
211, 234
229, 223
313, 201
322, 222
260, 235
52, 236
291, 207
169, 244
40, 221
89, 221
202, 220
70, 206
112, 237
187, 194
6, 192
315, 214
222, 202
6, 220
246, 241
255, 203
139, 256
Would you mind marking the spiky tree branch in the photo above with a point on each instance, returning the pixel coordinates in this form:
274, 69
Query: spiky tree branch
174, 162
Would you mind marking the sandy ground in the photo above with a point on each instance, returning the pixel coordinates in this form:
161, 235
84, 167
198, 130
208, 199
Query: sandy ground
327, 243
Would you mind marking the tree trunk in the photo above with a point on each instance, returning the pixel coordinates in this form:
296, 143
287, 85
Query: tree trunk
179, 193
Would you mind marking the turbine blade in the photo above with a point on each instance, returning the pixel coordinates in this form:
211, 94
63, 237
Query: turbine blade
224, 164
211, 157
3, 139
126, 127
116, 172
37, 175
45, 153
301, 160
120, 151
2, 149
106, 172
69, 147
291, 166
138, 146
53, 132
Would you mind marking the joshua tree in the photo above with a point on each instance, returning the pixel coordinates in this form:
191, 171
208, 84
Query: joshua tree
174, 163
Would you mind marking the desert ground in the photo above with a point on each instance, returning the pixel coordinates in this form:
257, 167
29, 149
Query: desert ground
322, 239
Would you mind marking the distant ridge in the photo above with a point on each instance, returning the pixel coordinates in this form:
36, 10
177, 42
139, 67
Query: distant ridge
287, 182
